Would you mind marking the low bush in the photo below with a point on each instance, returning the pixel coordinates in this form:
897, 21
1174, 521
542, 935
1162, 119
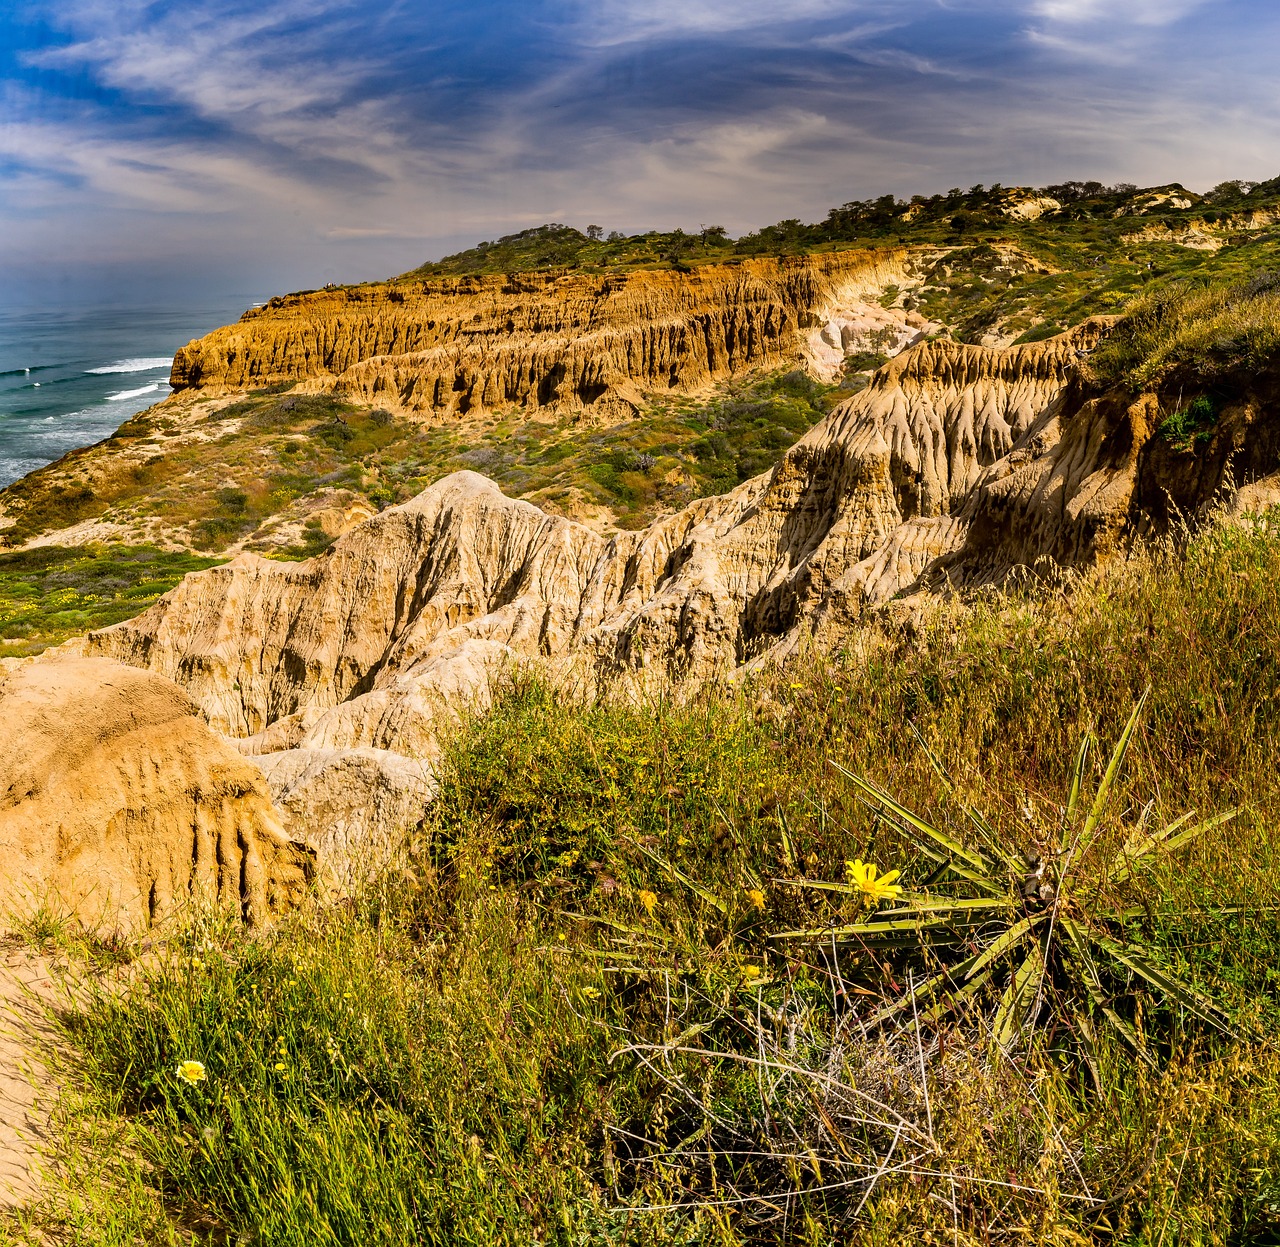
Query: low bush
1201, 329
50, 593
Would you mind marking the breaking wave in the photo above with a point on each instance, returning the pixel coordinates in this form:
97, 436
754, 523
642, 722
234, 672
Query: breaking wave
150, 364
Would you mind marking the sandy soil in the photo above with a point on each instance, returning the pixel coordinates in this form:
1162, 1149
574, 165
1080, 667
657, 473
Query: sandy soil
26, 1087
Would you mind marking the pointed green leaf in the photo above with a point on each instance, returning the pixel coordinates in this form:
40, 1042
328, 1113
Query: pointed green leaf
1011, 1015
676, 873
1093, 987
870, 932
1089, 1048
1195, 1002
1130, 856
1077, 776
1103, 794
985, 833
953, 1000
1005, 941
788, 854
924, 904
918, 993
974, 860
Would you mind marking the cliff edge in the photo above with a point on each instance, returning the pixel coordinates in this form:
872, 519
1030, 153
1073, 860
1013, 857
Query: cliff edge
561, 340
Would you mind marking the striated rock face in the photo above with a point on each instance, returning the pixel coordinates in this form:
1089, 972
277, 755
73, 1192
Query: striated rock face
119, 805
352, 807
560, 341
956, 465
410, 614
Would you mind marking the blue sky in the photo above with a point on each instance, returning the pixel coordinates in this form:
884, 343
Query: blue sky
258, 145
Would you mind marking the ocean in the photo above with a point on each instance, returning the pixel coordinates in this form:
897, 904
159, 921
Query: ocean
71, 378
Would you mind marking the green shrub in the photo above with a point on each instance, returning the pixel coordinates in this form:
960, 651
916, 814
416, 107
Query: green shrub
50, 593
1192, 425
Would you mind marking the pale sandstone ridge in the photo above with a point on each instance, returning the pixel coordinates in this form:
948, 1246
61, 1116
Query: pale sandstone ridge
118, 805
561, 341
407, 617
352, 807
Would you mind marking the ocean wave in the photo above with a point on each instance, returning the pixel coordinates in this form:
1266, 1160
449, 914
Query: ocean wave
150, 364
22, 372
146, 389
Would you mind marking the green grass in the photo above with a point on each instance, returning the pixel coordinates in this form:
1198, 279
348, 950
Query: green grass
549, 1024
283, 448
1200, 331
51, 593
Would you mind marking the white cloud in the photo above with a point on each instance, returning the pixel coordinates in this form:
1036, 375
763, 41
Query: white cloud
1118, 12
230, 68
621, 21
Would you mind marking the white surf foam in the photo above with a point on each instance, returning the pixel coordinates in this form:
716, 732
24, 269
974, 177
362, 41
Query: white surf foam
150, 364
146, 389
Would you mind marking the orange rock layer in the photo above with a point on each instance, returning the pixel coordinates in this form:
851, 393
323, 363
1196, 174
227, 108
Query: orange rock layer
551, 340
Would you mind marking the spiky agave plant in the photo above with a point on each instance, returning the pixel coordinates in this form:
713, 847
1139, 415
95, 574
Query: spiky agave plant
1039, 931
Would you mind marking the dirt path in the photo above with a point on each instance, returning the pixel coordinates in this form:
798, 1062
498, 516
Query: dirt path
26, 1088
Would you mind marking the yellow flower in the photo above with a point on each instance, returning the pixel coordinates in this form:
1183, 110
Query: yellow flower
797, 686
191, 1072
756, 897
280, 1067
752, 972
648, 900
591, 992
863, 877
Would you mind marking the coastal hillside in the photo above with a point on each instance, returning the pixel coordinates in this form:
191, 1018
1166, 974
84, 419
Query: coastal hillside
485, 344
766, 751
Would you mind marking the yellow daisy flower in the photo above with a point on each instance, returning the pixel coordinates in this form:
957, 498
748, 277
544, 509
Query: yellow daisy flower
863, 877
191, 1072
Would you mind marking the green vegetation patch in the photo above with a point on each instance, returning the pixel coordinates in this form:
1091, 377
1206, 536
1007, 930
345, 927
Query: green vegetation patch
575, 1015
998, 274
673, 451
51, 593
1195, 330
1191, 425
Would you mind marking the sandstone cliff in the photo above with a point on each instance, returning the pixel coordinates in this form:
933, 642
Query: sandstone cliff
572, 340
956, 465
119, 805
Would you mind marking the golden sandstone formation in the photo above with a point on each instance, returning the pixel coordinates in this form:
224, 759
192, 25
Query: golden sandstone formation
545, 340
120, 805
956, 465
332, 677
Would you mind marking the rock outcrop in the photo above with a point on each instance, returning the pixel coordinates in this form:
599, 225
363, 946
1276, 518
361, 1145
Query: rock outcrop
409, 615
957, 465
561, 341
118, 804
352, 807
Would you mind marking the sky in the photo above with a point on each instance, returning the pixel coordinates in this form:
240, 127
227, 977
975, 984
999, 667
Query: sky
162, 150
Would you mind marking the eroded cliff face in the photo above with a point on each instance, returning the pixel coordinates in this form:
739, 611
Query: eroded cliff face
575, 340
956, 464
119, 805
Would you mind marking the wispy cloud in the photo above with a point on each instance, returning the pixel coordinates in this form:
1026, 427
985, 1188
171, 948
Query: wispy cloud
1126, 12
295, 134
